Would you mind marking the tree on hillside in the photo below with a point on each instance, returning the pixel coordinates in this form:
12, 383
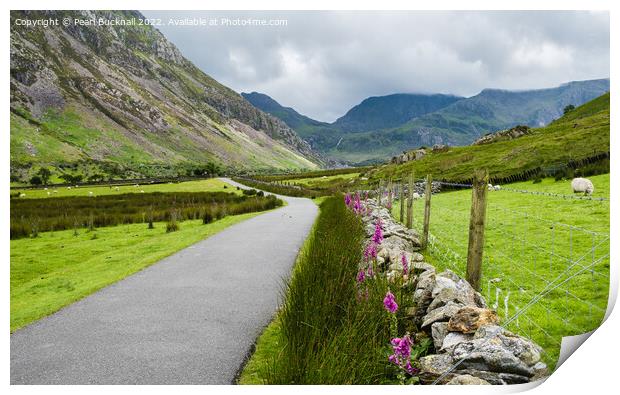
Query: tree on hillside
36, 180
45, 175
568, 109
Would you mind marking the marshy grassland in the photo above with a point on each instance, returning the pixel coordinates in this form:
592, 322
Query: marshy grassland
63, 249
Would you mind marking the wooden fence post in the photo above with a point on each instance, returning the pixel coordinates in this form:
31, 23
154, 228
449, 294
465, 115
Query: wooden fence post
389, 202
402, 201
427, 209
476, 228
410, 200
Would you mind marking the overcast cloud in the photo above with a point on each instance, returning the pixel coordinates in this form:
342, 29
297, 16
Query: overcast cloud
323, 63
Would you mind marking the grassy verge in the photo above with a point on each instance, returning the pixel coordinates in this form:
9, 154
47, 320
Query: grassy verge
280, 189
325, 333
313, 174
268, 345
58, 268
529, 241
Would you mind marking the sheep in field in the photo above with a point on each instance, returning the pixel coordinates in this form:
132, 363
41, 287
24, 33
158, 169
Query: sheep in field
582, 185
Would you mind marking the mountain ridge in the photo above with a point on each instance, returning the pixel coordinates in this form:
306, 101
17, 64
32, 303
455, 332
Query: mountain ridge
457, 123
125, 97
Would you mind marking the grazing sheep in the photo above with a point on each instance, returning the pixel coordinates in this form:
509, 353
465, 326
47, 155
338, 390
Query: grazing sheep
22, 195
54, 191
141, 191
582, 185
497, 187
416, 196
116, 188
90, 193
68, 187
48, 193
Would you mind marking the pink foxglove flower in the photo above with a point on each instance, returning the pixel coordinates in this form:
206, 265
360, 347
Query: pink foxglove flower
389, 302
403, 260
378, 236
361, 276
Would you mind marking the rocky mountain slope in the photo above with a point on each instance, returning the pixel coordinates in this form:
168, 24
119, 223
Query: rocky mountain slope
125, 97
379, 127
390, 111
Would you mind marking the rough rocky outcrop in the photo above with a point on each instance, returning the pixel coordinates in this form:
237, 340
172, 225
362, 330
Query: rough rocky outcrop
135, 93
513, 133
469, 345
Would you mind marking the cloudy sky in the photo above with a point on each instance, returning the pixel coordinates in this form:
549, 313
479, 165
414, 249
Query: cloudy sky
323, 63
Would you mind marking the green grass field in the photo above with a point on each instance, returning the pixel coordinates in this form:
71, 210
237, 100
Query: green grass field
313, 182
209, 185
529, 241
58, 268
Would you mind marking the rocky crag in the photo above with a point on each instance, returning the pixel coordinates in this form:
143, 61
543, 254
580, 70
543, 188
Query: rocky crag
470, 345
125, 95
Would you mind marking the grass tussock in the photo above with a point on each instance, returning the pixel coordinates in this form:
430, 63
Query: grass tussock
31, 216
330, 331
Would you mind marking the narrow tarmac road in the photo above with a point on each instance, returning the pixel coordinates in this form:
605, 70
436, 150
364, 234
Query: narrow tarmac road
188, 319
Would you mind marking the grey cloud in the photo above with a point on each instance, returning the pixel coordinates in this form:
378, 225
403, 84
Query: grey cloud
324, 62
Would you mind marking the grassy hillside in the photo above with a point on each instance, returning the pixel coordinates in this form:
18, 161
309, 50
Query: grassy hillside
579, 134
124, 97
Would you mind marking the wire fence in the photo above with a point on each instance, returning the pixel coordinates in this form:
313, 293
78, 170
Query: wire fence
532, 240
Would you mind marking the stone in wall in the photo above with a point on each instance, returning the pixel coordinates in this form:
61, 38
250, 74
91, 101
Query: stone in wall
470, 347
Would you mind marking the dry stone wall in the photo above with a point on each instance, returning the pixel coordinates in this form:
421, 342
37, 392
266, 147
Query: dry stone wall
470, 346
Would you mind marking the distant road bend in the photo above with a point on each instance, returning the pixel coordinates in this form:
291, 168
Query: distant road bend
189, 319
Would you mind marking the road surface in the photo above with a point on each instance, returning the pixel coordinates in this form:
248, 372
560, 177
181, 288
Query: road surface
188, 319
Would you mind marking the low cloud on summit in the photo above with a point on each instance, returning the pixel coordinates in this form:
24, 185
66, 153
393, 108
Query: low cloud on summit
324, 62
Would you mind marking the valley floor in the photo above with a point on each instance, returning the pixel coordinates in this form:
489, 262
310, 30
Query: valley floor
173, 322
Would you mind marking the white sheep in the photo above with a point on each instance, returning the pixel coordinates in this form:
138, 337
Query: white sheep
582, 185
90, 193
416, 196
116, 188
497, 188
